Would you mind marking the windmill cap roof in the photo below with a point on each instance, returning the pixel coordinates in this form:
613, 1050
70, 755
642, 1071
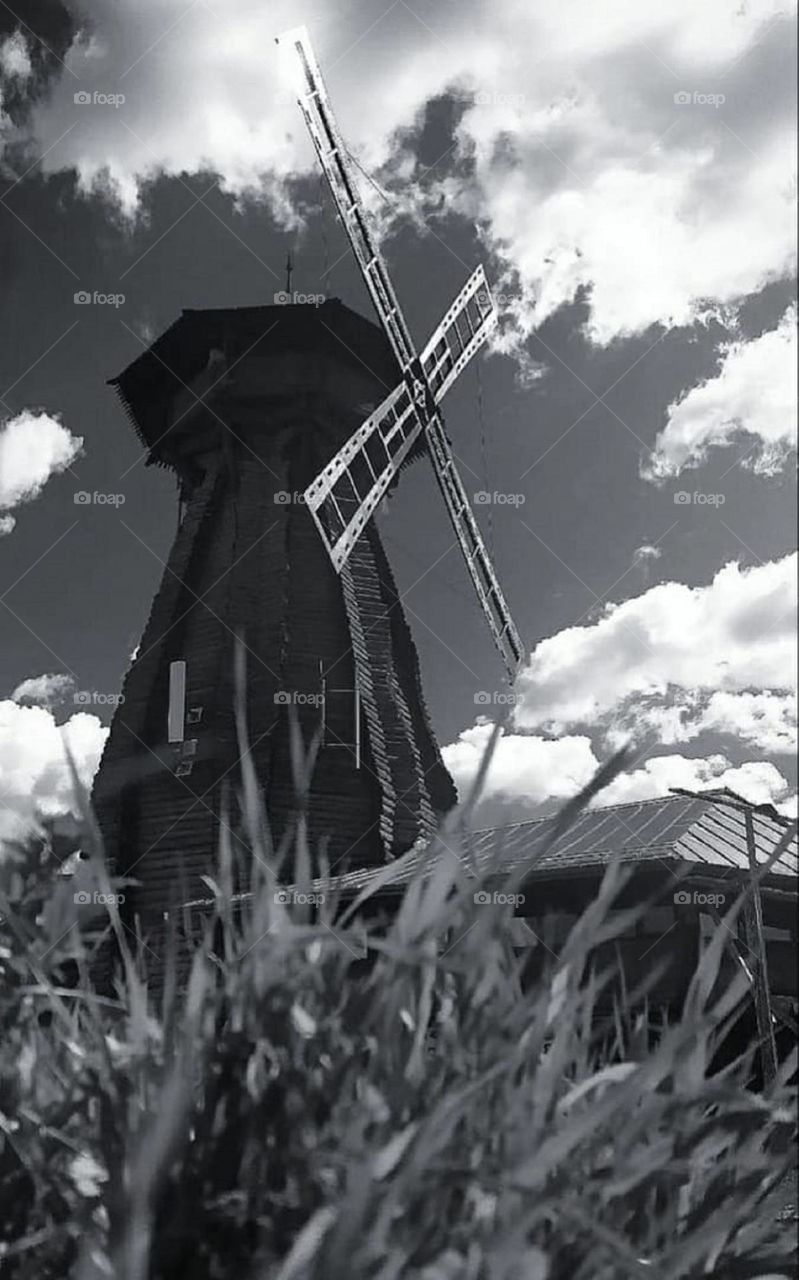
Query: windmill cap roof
182, 351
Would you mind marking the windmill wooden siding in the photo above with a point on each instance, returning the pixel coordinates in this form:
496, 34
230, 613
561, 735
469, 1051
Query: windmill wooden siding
291, 384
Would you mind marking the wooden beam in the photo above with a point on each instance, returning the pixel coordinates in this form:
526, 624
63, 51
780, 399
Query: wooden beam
755, 940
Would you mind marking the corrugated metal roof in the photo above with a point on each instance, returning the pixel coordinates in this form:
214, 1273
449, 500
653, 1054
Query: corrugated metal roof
708, 828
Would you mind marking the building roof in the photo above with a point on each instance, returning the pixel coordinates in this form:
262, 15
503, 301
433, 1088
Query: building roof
147, 386
707, 828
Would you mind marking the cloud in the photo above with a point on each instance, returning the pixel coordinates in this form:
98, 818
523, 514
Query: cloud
203, 90
654, 662
14, 57
29, 57
585, 175
15, 71
592, 179
524, 767
667, 666
753, 394
44, 689
34, 774
33, 447
759, 719
7, 525
528, 774
757, 781
765, 720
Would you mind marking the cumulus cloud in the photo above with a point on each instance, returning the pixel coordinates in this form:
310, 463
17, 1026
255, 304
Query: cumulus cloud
753, 394
664, 667
33, 447
7, 525
667, 666
757, 781
34, 774
524, 767
530, 774
761, 719
585, 176
765, 720
656, 660
45, 689
203, 91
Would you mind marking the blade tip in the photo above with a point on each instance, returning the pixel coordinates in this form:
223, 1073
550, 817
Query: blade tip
295, 35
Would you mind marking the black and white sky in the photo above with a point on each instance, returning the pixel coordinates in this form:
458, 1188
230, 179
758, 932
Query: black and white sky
626, 173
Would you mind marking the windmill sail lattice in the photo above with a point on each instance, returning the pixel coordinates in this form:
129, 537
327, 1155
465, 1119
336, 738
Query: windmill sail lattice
347, 491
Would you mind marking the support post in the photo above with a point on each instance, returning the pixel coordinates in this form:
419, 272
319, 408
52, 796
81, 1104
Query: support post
756, 942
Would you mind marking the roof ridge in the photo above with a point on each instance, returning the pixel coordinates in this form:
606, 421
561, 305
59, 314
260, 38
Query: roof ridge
600, 808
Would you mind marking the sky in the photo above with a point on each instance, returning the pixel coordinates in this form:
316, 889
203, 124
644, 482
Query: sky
626, 174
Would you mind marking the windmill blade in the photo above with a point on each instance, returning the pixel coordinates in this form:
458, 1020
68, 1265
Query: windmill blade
315, 106
368, 462
461, 333
478, 562
344, 495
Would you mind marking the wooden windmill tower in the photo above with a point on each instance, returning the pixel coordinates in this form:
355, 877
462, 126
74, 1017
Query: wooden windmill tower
260, 412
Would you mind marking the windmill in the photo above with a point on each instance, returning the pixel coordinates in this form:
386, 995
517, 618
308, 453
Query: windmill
259, 412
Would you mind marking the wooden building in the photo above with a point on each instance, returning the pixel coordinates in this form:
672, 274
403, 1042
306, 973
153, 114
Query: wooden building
687, 853
246, 407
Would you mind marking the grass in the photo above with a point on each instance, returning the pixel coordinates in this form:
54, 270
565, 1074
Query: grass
298, 1113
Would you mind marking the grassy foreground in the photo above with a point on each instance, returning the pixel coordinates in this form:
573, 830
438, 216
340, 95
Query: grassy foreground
299, 1113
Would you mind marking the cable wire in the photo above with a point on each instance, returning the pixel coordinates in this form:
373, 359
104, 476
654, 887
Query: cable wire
325, 246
